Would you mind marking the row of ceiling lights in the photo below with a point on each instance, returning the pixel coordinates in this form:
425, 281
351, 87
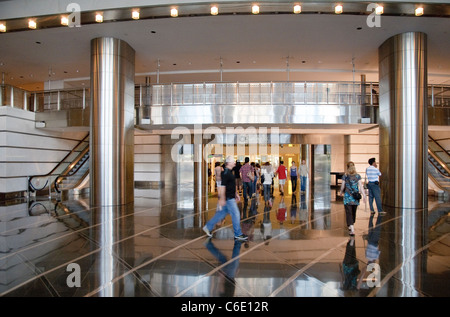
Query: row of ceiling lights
338, 9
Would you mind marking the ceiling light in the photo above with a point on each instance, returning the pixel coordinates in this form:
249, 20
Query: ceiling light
214, 10
173, 12
297, 8
64, 20
32, 24
135, 15
2, 27
379, 10
419, 11
98, 18
338, 9
255, 9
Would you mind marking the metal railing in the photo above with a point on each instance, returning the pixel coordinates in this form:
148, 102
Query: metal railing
218, 93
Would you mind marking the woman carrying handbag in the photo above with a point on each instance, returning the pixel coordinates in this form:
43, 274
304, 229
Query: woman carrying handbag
353, 190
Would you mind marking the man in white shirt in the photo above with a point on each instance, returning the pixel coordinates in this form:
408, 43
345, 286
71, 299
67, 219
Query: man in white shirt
373, 185
303, 176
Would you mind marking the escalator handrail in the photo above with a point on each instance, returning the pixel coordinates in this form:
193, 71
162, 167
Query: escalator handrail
440, 146
86, 138
443, 165
79, 180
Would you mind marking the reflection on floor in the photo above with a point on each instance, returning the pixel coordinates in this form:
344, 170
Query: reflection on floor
299, 247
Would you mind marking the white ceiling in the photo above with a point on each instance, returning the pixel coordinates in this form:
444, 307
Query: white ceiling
317, 47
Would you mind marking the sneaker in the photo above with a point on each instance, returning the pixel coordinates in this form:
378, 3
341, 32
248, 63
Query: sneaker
205, 229
351, 231
242, 237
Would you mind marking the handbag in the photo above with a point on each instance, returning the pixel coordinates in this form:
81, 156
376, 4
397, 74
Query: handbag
251, 175
356, 195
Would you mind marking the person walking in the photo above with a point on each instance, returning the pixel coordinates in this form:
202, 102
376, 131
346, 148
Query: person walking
282, 175
266, 179
373, 186
257, 181
303, 176
293, 176
237, 175
247, 175
217, 173
351, 183
228, 197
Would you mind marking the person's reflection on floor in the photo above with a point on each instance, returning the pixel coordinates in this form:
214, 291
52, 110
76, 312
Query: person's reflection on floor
350, 266
294, 208
281, 213
372, 250
228, 272
266, 225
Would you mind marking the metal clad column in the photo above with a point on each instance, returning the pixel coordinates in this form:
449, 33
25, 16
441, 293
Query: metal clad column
112, 122
403, 120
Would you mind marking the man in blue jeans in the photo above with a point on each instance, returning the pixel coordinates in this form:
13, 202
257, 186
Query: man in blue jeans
227, 199
373, 185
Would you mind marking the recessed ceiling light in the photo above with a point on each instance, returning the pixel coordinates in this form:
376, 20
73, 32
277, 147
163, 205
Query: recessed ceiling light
174, 12
419, 11
255, 9
64, 20
214, 10
98, 18
2, 27
338, 9
297, 8
379, 10
135, 14
32, 24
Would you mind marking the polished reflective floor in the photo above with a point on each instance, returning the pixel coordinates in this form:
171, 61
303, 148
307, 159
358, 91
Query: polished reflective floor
300, 247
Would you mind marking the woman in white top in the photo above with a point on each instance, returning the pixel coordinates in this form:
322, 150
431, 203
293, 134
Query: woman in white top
267, 174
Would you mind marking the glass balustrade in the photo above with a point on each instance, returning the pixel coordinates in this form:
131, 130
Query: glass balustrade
218, 93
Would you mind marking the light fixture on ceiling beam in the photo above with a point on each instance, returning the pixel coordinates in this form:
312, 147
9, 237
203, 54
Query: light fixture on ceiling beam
255, 9
135, 14
2, 27
64, 20
338, 9
32, 24
99, 18
214, 10
174, 12
418, 12
297, 9
379, 10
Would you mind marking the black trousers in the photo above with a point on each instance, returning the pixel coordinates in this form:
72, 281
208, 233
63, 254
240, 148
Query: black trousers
294, 183
350, 214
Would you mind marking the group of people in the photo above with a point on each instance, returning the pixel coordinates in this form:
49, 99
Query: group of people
233, 176
353, 190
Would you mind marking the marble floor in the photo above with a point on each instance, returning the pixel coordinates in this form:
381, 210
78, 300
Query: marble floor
300, 247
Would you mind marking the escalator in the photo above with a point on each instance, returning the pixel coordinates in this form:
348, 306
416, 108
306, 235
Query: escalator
72, 173
438, 166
